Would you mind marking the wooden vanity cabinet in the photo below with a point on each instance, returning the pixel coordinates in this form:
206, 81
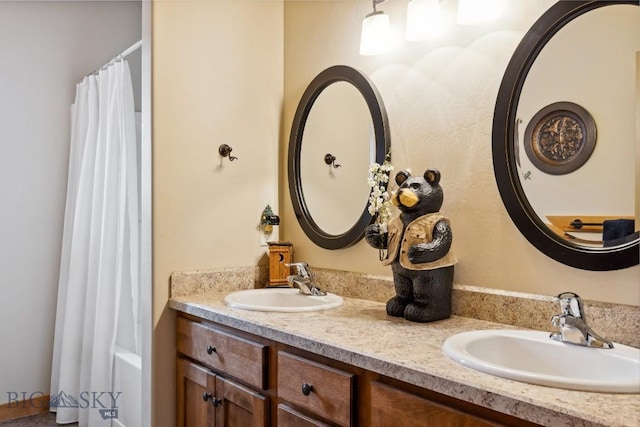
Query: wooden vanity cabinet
220, 378
231, 378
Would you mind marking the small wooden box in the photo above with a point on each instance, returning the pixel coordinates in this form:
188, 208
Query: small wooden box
280, 253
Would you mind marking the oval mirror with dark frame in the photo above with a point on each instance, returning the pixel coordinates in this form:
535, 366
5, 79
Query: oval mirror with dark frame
511, 177
370, 139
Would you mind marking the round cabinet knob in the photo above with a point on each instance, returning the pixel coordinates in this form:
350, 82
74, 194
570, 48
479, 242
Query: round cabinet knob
307, 389
211, 349
214, 400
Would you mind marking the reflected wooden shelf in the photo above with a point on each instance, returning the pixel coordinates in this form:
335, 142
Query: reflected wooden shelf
590, 223
571, 226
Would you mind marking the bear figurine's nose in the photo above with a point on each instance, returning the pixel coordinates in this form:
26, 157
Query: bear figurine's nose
407, 198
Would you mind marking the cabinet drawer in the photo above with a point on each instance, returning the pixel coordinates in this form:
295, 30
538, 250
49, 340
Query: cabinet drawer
323, 390
289, 417
238, 357
392, 406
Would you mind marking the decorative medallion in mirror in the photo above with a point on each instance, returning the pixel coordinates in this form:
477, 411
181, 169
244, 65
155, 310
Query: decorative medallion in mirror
573, 198
560, 138
339, 129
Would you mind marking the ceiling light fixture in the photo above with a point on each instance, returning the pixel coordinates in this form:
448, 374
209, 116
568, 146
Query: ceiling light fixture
425, 20
376, 32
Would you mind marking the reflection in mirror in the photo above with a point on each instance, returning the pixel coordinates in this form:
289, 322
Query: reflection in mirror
555, 63
339, 123
606, 89
342, 115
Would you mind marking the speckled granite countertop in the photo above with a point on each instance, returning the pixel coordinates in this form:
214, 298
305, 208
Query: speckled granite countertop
361, 334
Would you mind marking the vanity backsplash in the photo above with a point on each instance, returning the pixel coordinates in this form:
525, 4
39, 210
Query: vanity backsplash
617, 322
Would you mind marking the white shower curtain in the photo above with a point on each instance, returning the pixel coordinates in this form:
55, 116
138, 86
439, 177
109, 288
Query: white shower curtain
99, 261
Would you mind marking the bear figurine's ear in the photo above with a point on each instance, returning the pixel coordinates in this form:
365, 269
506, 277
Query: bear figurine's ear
402, 176
432, 176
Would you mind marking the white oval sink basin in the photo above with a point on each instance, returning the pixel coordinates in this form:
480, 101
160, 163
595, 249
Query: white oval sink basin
532, 357
282, 300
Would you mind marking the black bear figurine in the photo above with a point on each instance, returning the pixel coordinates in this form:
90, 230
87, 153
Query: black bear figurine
418, 243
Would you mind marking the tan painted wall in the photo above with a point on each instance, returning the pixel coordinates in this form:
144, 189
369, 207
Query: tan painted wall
217, 78
440, 98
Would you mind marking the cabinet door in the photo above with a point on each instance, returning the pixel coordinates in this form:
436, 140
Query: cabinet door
191, 387
393, 407
239, 406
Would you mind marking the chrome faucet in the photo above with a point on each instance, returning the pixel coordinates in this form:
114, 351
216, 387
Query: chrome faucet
303, 279
572, 324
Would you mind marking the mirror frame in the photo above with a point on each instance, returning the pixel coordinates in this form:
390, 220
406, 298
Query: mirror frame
336, 73
504, 148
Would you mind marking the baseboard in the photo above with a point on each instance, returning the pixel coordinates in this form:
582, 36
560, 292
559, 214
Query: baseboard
24, 408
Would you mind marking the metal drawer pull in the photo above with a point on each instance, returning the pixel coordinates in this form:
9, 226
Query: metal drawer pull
307, 389
211, 349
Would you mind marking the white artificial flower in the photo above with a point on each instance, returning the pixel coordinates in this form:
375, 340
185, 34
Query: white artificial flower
379, 203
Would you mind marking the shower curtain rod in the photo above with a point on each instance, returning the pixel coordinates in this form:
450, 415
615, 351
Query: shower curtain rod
128, 51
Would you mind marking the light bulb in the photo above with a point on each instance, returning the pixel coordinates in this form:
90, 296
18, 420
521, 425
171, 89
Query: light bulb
376, 34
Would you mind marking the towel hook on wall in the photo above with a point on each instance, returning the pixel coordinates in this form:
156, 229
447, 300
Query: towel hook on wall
225, 151
330, 159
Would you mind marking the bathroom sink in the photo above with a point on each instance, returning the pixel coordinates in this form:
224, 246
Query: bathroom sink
532, 357
282, 300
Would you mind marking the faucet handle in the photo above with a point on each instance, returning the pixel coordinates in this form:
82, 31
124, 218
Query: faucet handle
558, 320
570, 304
302, 269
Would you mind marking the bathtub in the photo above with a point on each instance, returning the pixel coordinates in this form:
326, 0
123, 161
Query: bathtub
127, 379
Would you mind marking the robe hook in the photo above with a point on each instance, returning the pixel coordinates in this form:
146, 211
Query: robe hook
225, 151
331, 160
